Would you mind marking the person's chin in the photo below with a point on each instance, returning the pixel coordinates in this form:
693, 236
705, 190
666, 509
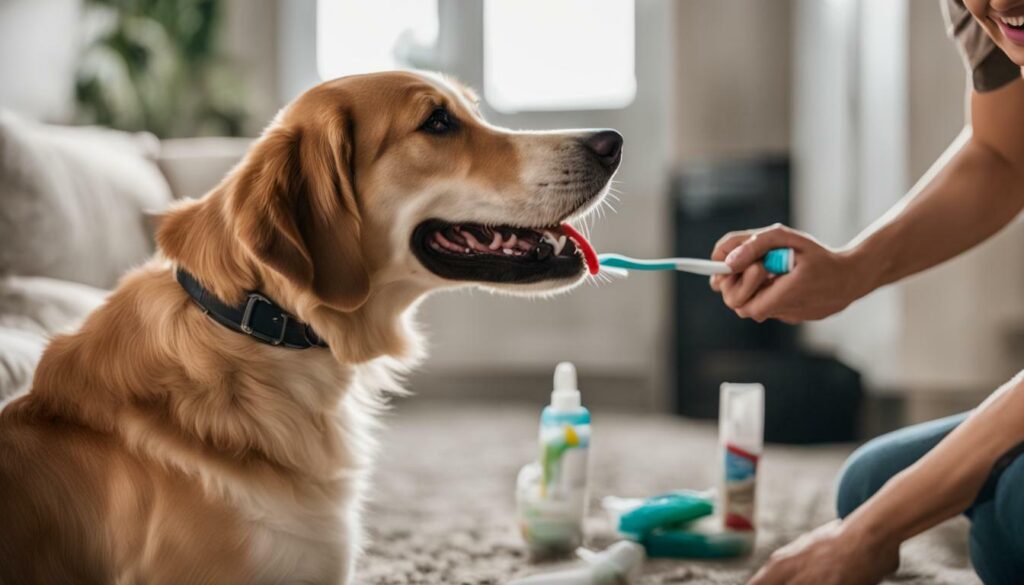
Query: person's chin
1014, 51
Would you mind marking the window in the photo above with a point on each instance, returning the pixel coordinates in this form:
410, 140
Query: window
559, 54
539, 55
359, 36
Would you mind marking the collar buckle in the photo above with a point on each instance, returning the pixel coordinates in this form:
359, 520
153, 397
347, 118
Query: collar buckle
246, 324
269, 324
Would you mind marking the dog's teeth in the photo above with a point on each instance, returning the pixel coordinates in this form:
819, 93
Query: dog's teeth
507, 251
559, 245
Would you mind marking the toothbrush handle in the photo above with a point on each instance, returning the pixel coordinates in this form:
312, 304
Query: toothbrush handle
779, 260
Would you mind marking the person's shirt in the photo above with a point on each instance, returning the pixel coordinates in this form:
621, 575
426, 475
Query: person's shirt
987, 64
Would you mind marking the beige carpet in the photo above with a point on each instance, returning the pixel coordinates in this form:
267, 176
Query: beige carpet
443, 509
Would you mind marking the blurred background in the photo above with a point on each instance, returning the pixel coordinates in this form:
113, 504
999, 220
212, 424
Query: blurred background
736, 113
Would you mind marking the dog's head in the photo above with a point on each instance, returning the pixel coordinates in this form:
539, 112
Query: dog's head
396, 177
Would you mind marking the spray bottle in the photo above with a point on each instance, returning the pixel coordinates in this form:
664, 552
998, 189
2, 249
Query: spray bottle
552, 493
741, 440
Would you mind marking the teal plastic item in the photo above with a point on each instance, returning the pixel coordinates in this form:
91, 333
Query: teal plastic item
552, 417
680, 543
665, 510
777, 261
619, 261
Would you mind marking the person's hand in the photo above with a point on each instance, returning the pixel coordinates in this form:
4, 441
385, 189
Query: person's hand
830, 555
822, 282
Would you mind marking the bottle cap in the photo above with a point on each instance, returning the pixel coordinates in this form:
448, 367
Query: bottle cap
741, 415
565, 396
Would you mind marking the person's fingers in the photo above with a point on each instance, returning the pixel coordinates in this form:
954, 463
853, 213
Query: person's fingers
747, 284
729, 242
789, 319
759, 578
767, 302
727, 282
715, 282
758, 244
771, 573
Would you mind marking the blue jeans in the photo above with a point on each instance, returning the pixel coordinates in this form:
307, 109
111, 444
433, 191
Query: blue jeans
997, 516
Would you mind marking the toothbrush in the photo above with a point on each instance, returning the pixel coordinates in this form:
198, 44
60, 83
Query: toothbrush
777, 261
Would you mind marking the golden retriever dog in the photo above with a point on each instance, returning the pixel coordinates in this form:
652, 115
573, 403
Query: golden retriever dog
158, 445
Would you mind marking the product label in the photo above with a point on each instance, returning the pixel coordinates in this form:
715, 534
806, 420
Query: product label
739, 489
564, 461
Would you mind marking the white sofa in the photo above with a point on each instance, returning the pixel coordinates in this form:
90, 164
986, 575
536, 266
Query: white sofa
76, 204
77, 208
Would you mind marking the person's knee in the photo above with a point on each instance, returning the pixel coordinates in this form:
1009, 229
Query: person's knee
1009, 505
992, 554
867, 470
863, 474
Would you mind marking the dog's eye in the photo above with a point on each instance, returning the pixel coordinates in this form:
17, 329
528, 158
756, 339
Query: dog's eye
439, 122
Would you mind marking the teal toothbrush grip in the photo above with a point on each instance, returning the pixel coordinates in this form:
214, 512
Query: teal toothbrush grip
779, 260
665, 510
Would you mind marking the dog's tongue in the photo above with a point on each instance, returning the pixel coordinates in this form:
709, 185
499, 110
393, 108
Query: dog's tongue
588, 251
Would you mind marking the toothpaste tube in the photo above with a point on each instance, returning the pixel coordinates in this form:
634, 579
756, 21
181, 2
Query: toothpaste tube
741, 441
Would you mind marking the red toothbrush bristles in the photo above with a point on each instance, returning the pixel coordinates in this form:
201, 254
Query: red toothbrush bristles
588, 251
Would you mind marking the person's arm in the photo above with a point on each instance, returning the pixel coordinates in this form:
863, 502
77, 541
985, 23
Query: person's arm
971, 192
939, 486
946, 481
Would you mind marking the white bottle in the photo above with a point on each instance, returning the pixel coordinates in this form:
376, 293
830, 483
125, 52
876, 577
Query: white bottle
741, 440
552, 492
564, 439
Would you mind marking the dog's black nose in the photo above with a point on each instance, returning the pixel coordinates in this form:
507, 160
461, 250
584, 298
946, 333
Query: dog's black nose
607, 145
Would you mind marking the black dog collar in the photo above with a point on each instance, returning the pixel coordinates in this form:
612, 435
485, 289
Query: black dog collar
259, 317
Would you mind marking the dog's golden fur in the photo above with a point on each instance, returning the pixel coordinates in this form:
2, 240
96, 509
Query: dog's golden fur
156, 446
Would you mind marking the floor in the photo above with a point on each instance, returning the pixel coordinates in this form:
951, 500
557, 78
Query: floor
442, 506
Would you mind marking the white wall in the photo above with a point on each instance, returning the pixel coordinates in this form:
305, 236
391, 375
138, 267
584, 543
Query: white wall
732, 78
251, 40
40, 42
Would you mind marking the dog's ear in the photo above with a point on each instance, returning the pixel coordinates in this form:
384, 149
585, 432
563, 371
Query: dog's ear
263, 196
330, 220
295, 209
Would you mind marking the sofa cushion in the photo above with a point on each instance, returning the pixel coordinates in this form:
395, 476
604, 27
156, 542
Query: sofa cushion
32, 310
193, 166
72, 200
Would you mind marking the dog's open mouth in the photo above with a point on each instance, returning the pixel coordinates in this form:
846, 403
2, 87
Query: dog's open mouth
502, 254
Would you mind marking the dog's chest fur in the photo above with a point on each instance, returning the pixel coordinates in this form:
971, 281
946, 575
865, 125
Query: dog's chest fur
311, 532
296, 510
